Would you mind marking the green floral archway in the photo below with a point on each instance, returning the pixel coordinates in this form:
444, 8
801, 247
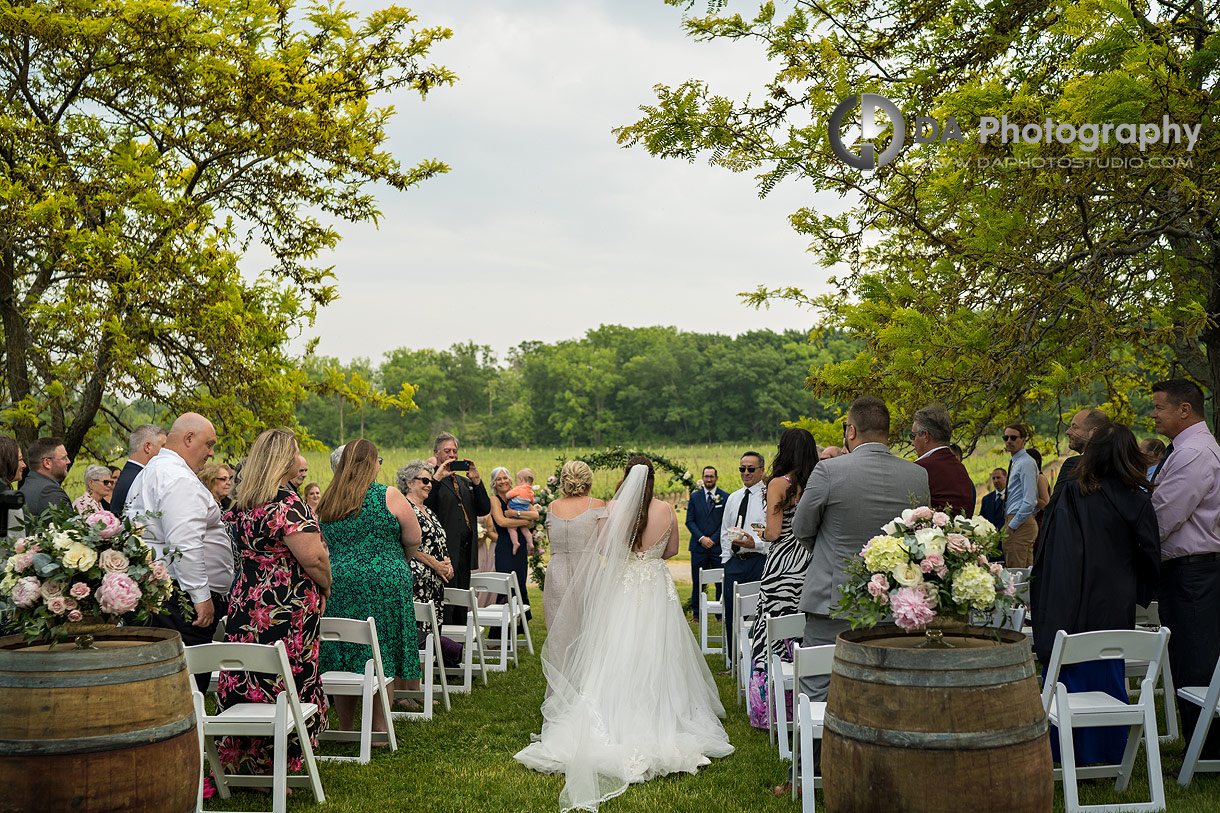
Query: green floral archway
615, 457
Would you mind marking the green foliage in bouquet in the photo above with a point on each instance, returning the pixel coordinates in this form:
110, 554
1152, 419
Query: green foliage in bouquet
925, 565
79, 567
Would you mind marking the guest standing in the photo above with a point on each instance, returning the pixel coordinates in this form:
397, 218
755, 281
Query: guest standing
787, 561
312, 495
951, 488
146, 440
1099, 557
217, 478
1079, 431
372, 532
506, 518
43, 487
11, 464
282, 583
704, 516
742, 550
1187, 502
98, 488
571, 522
992, 507
458, 502
1021, 530
180, 515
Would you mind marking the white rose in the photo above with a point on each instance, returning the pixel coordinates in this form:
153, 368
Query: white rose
907, 516
982, 525
890, 528
62, 541
932, 539
907, 574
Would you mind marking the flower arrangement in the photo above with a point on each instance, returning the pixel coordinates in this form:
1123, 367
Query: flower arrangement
926, 565
544, 496
78, 567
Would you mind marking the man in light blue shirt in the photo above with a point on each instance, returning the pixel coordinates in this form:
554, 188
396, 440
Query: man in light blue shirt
1021, 529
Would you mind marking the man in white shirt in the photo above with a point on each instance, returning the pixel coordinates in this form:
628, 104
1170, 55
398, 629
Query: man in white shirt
743, 554
188, 523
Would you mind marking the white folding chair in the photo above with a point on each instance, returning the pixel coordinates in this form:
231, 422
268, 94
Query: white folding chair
197, 697
218, 637
469, 635
779, 677
431, 667
1150, 618
1071, 710
709, 607
731, 652
1206, 698
369, 685
520, 608
275, 720
497, 615
1010, 619
808, 661
745, 608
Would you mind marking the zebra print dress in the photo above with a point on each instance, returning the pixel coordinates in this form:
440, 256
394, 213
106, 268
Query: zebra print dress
780, 594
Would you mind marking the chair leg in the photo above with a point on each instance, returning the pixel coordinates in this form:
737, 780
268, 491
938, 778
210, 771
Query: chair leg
197, 698
366, 715
279, 759
1171, 704
311, 764
383, 697
1194, 748
1134, 734
1152, 747
218, 771
1067, 751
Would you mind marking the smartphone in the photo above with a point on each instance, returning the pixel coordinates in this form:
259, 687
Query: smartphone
459, 465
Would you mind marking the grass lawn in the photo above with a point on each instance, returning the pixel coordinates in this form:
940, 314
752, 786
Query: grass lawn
462, 762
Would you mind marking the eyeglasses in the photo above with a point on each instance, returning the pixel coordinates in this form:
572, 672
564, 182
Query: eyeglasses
1012, 437
222, 479
913, 435
425, 480
744, 469
108, 482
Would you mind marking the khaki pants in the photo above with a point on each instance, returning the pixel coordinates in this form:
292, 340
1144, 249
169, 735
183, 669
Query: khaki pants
1019, 544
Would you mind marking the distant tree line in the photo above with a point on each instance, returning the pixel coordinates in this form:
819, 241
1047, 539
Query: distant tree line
614, 385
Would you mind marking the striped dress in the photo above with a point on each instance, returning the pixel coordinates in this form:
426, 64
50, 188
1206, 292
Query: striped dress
780, 594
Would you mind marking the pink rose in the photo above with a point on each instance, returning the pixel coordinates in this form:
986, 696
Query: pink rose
922, 512
117, 594
160, 571
27, 591
996, 568
910, 608
940, 519
70, 603
983, 562
1010, 589
957, 543
21, 561
79, 590
864, 550
930, 593
878, 585
57, 604
52, 589
20, 546
75, 615
113, 561
111, 525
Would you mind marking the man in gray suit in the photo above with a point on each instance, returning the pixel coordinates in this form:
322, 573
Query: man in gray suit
846, 501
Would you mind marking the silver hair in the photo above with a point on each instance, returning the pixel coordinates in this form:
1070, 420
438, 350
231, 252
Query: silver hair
143, 434
96, 473
335, 455
496, 473
934, 419
412, 470
441, 438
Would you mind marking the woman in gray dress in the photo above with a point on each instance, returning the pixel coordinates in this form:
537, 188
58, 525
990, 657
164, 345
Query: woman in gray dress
571, 522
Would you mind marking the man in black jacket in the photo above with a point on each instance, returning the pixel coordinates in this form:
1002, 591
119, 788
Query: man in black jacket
458, 502
146, 440
48, 461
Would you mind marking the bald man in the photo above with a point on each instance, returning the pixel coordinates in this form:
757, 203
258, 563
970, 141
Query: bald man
182, 516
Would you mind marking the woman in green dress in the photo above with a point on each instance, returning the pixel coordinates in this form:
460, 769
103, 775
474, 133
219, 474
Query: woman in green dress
372, 532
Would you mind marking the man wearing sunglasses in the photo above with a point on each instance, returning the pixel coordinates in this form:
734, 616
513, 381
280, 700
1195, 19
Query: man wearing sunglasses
1020, 529
743, 551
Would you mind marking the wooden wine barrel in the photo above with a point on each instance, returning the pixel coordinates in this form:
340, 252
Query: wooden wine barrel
911, 729
111, 729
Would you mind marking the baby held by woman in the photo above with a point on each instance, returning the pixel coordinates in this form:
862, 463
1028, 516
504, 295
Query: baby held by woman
521, 498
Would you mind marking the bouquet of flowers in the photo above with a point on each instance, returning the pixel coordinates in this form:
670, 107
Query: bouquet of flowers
78, 567
926, 565
544, 496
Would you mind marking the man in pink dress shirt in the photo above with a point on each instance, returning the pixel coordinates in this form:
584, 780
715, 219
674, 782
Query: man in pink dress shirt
1186, 499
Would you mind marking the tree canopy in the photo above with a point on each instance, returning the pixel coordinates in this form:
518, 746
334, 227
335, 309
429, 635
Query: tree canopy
1001, 278
145, 147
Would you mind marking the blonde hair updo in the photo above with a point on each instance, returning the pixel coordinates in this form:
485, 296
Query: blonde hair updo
575, 479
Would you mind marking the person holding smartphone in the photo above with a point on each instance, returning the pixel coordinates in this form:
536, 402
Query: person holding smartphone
458, 502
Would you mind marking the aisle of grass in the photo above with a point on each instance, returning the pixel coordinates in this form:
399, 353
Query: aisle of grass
462, 762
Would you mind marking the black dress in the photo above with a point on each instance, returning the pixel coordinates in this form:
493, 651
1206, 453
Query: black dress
1099, 558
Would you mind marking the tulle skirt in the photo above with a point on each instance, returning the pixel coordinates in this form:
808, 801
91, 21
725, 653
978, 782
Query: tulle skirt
645, 705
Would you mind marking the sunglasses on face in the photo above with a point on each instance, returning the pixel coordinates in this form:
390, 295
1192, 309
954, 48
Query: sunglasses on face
107, 482
913, 435
425, 480
744, 469
1012, 437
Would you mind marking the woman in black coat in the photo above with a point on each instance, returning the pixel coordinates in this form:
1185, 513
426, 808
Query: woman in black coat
1100, 557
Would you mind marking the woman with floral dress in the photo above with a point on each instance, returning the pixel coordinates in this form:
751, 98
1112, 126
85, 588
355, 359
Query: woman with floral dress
281, 588
372, 533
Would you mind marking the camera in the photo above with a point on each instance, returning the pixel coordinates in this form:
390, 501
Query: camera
9, 501
459, 465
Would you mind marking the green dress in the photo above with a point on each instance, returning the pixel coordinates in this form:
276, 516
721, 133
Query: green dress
370, 577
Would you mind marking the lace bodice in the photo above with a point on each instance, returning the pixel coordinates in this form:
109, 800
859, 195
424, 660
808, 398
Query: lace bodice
646, 570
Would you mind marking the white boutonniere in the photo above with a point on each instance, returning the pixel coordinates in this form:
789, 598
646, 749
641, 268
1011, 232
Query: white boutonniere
715, 498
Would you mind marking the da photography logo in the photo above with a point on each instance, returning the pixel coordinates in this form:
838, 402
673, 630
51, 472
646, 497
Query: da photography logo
926, 131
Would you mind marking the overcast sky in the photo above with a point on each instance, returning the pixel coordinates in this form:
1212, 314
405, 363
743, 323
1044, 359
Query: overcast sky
544, 227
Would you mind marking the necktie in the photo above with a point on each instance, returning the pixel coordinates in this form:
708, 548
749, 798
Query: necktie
1157, 470
707, 495
457, 491
741, 512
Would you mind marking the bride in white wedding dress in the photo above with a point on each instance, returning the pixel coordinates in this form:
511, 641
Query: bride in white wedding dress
629, 694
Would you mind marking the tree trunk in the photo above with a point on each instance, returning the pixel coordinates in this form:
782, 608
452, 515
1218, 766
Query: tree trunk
17, 343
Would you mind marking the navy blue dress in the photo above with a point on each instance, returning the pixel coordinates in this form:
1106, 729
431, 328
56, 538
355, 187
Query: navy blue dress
507, 561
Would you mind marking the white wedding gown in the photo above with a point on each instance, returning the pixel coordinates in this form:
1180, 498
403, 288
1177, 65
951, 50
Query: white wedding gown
633, 698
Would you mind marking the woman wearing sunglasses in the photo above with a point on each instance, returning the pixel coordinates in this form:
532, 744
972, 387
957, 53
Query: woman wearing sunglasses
99, 485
